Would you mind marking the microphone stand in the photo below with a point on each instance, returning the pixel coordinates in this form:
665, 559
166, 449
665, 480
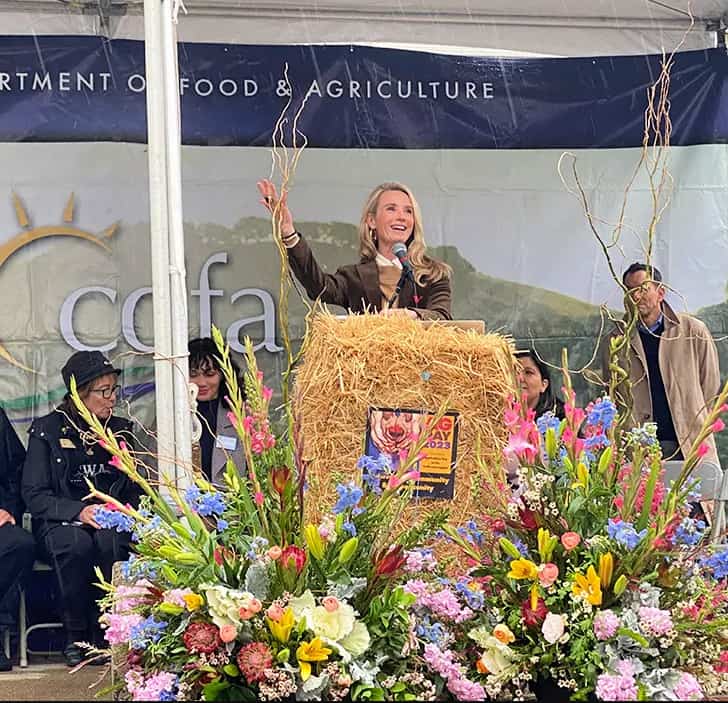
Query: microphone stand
406, 273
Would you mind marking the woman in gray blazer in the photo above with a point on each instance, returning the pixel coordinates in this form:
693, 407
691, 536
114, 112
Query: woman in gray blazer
219, 439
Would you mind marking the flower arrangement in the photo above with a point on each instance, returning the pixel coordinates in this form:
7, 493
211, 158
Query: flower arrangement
229, 596
591, 578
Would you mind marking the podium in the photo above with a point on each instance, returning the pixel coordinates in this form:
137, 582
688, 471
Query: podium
360, 362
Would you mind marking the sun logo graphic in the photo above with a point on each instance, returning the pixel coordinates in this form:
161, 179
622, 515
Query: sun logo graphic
28, 233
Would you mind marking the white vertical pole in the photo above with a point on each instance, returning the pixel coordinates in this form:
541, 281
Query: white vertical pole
169, 292
178, 277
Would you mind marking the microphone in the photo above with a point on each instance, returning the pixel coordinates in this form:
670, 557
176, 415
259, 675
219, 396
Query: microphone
400, 251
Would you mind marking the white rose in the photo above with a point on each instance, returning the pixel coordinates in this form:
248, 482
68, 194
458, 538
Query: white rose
553, 628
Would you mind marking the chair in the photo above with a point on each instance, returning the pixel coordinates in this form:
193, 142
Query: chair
713, 486
23, 629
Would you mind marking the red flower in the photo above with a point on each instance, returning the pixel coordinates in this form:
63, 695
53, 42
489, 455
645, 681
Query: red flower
280, 477
202, 637
253, 659
528, 519
390, 562
293, 557
534, 618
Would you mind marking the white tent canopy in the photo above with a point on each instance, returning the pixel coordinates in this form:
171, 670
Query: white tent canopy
546, 27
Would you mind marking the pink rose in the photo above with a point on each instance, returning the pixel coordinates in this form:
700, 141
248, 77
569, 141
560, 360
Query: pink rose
331, 604
548, 574
255, 605
274, 612
228, 633
570, 540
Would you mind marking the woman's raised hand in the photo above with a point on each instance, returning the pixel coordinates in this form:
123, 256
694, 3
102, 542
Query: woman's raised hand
269, 199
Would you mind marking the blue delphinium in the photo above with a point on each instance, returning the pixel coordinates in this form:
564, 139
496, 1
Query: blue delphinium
147, 631
717, 564
520, 546
625, 534
432, 632
205, 504
374, 471
689, 532
222, 524
134, 568
142, 529
547, 420
349, 527
349, 496
603, 412
471, 533
114, 520
473, 598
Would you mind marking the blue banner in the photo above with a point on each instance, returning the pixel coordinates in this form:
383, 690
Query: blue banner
92, 89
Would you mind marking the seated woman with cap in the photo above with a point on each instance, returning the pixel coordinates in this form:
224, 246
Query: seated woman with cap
62, 454
391, 241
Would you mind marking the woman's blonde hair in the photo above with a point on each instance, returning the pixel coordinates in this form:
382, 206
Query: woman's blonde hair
426, 268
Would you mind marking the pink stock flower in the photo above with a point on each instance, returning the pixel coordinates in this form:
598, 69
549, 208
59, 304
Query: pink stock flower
703, 449
118, 627
718, 426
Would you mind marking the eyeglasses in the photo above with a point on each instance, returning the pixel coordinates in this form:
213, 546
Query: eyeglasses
107, 392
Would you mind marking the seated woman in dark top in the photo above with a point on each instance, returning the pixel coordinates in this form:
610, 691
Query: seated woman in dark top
219, 438
62, 454
391, 217
535, 378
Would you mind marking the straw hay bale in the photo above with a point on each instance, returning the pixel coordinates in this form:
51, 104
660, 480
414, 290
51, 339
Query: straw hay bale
361, 361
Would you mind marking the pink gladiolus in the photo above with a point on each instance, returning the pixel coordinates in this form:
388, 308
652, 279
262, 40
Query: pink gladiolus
248, 423
724, 408
231, 417
122, 445
548, 574
718, 425
260, 375
115, 461
259, 498
396, 482
267, 393
703, 449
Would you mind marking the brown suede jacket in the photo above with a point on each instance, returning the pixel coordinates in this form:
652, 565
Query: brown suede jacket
356, 286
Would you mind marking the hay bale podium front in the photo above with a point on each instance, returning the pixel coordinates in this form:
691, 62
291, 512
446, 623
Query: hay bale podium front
361, 362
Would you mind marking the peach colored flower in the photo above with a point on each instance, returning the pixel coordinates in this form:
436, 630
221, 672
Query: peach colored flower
274, 612
570, 540
331, 604
547, 574
274, 552
228, 633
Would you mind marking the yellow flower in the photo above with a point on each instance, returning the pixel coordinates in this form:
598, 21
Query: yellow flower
281, 629
503, 634
192, 601
588, 586
314, 542
313, 651
582, 477
606, 569
523, 569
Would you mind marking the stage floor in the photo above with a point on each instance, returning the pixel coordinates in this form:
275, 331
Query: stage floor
47, 679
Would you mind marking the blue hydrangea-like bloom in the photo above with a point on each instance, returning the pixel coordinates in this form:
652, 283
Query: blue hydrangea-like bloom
547, 420
211, 504
142, 529
603, 412
134, 567
349, 527
520, 546
192, 495
114, 520
222, 524
432, 632
625, 534
717, 564
473, 598
689, 532
146, 632
349, 495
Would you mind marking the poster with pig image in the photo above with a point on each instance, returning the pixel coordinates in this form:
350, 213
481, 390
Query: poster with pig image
391, 431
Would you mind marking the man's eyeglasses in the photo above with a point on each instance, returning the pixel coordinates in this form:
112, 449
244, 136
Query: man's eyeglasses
107, 391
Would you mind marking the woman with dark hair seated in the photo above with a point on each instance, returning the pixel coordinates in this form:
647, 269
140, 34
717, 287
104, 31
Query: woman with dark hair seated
535, 378
62, 454
219, 439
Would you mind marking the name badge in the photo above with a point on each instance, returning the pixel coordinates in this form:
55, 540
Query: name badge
67, 443
229, 443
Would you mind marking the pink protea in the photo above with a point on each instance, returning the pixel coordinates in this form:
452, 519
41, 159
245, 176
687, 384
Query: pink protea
253, 659
293, 556
202, 638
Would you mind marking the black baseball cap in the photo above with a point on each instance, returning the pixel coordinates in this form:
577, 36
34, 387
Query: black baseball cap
86, 366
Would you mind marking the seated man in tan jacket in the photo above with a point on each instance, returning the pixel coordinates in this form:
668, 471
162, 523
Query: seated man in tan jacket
672, 363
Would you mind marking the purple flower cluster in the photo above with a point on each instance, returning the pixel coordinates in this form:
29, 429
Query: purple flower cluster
442, 603
606, 624
419, 560
161, 686
688, 688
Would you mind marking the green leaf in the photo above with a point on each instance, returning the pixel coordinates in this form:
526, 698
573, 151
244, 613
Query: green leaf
231, 670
